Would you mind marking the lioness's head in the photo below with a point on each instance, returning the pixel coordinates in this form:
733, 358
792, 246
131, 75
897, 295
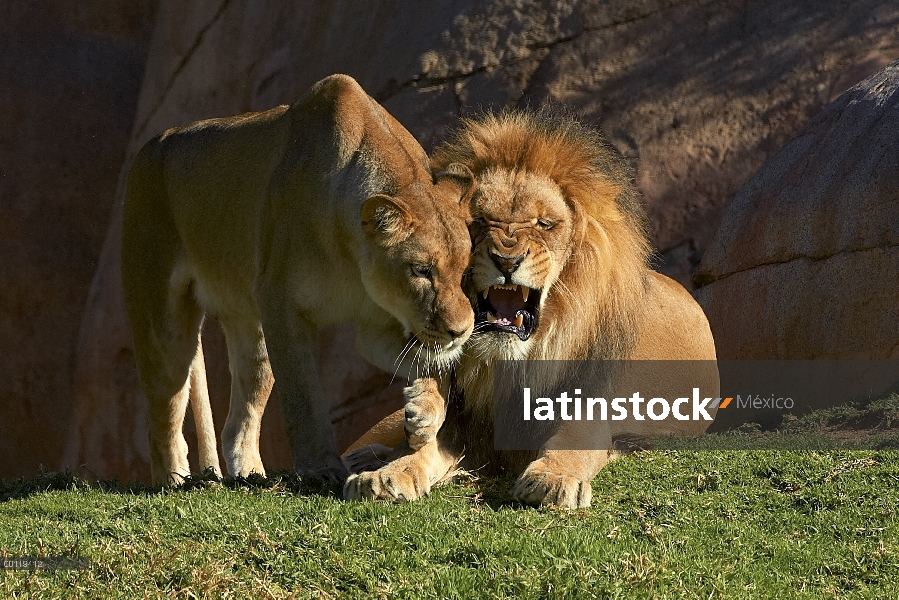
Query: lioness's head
419, 248
558, 236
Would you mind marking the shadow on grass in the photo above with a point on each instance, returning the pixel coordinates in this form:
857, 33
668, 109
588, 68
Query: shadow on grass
24, 487
493, 492
864, 425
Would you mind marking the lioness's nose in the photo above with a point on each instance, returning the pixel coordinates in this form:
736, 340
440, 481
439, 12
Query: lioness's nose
507, 264
456, 333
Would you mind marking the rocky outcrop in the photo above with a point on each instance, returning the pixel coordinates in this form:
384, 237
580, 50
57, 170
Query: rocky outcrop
698, 93
806, 261
70, 74
696, 126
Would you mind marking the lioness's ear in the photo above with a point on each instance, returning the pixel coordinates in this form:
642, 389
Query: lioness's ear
387, 218
461, 176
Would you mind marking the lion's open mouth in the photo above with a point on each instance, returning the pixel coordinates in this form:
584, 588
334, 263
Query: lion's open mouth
508, 308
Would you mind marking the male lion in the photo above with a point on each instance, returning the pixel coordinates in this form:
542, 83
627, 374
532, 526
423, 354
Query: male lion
559, 272
277, 223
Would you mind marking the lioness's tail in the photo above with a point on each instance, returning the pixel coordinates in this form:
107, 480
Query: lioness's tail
202, 411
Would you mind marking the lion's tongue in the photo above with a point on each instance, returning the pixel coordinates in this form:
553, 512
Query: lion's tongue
506, 304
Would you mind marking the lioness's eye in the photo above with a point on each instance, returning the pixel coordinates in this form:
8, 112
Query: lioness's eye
421, 270
545, 224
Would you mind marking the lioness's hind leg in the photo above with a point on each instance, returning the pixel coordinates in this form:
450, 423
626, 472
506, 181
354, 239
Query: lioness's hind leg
165, 344
164, 314
251, 384
202, 411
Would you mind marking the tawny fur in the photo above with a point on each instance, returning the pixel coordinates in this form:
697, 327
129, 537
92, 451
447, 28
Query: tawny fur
277, 223
601, 300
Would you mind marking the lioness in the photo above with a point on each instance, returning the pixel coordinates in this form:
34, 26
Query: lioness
277, 223
559, 272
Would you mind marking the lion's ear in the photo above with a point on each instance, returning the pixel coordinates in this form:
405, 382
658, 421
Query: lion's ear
461, 177
386, 218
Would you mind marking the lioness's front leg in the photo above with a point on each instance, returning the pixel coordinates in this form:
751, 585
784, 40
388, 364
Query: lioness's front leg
408, 475
292, 348
424, 412
425, 408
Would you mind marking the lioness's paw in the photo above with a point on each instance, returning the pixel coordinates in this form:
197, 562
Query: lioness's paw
425, 412
367, 458
536, 487
396, 485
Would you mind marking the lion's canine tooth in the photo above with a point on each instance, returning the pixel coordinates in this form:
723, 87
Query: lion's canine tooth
485, 292
518, 320
525, 290
491, 318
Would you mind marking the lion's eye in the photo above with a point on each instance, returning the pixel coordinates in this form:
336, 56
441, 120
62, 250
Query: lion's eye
545, 224
421, 270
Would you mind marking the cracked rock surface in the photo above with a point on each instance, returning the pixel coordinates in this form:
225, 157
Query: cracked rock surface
698, 93
806, 261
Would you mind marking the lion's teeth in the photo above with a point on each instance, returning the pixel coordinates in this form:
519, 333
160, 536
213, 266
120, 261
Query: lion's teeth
518, 320
515, 288
525, 290
491, 318
485, 292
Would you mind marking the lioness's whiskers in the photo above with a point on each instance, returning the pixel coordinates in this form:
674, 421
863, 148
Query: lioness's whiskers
415, 360
402, 354
399, 362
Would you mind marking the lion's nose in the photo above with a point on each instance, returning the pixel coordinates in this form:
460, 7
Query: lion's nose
507, 264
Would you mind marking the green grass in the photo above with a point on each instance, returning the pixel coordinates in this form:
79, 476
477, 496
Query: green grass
862, 425
663, 524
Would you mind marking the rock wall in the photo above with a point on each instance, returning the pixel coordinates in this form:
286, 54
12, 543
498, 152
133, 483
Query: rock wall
697, 93
70, 74
806, 261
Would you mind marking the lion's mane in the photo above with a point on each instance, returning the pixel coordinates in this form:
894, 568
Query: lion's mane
593, 309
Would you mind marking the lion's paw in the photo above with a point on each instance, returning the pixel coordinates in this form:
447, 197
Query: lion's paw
396, 485
424, 413
537, 486
367, 458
